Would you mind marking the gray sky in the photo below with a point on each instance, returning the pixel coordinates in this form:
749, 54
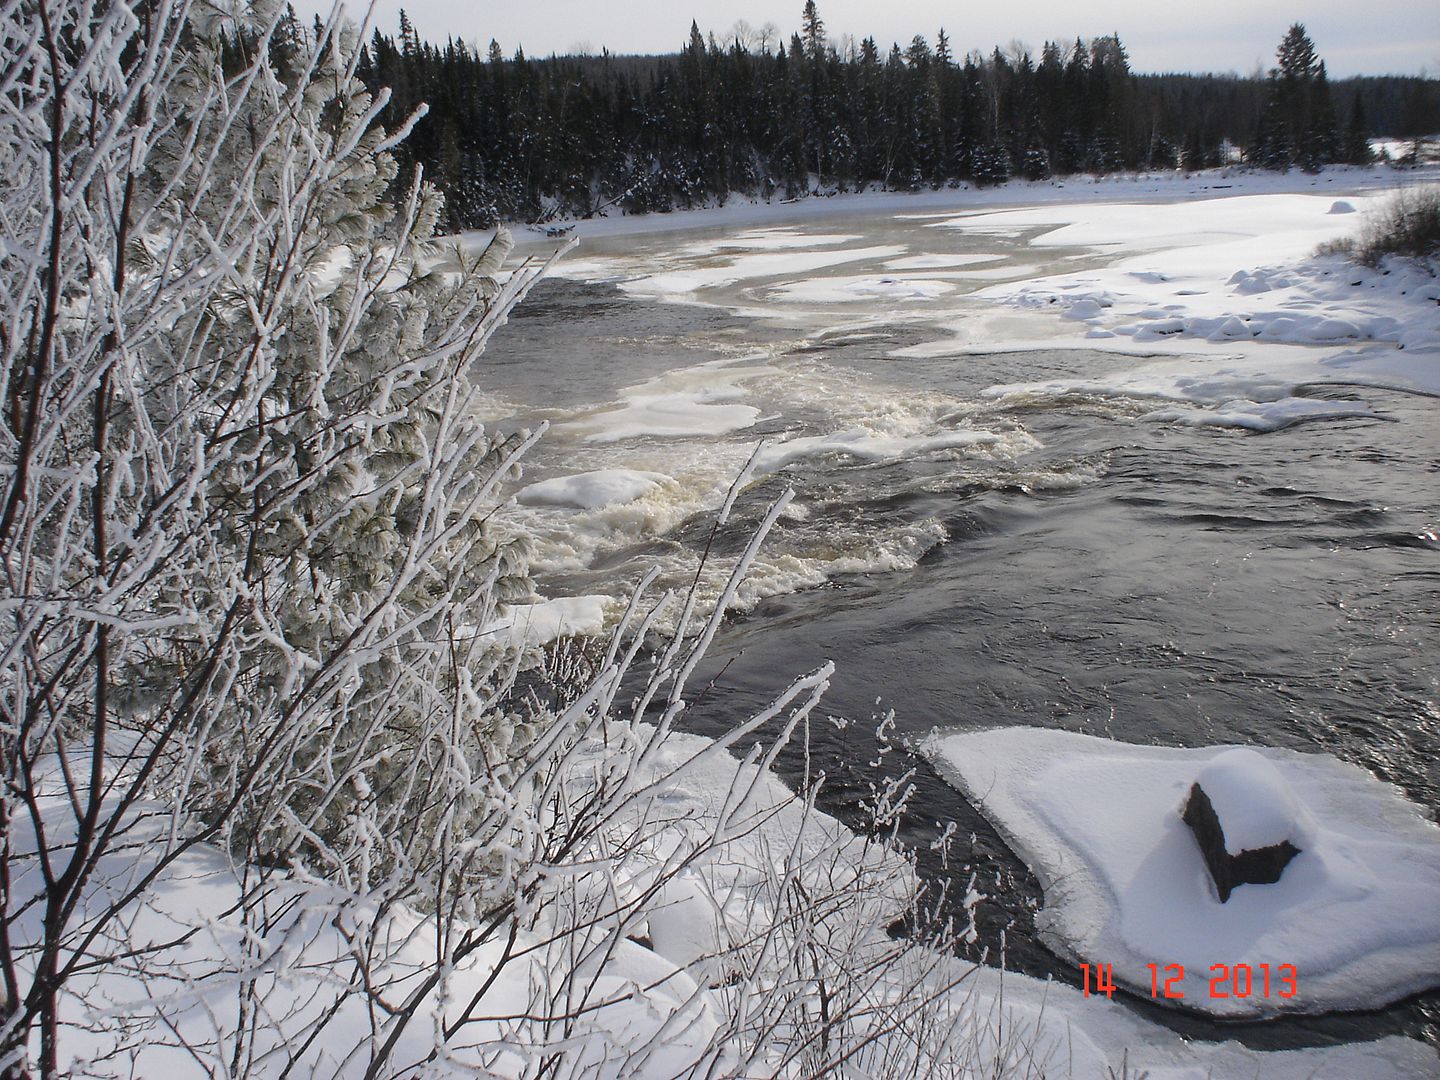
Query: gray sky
1352, 36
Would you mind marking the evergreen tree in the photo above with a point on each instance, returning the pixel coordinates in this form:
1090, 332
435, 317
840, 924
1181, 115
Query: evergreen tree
521, 139
813, 31
1355, 141
1297, 126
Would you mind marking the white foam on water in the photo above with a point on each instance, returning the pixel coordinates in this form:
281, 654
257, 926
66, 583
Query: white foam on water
867, 445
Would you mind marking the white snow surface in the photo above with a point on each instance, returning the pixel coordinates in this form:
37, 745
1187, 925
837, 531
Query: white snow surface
654, 996
1253, 802
525, 626
591, 490
1098, 821
1218, 268
1219, 280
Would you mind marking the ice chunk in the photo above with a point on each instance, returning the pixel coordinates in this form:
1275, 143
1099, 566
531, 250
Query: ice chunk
1354, 914
531, 625
590, 490
1084, 309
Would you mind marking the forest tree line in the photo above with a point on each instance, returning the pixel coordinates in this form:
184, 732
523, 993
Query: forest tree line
514, 138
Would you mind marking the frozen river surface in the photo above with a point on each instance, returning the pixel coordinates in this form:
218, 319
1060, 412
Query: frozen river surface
997, 522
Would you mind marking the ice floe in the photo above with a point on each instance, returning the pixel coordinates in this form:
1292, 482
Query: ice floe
1354, 916
938, 262
591, 490
748, 267
869, 287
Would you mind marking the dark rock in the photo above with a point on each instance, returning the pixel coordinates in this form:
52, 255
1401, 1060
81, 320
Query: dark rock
1256, 866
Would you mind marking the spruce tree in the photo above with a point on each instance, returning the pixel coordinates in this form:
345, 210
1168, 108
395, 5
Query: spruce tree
1297, 124
1355, 141
813, 31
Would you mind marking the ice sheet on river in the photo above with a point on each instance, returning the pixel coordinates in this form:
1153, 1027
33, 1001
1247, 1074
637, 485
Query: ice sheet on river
1357, 913
1231, 285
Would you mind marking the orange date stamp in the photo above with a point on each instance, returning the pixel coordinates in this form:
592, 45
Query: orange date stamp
1226, 980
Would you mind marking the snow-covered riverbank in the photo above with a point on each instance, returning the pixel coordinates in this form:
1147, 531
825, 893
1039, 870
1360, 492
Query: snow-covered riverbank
742, 213
652, 1000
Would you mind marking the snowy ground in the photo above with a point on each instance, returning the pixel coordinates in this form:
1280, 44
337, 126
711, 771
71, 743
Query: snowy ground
647, 1001
1210, 281
740, 213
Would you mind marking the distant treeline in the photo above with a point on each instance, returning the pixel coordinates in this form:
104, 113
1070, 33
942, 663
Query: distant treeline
520, 139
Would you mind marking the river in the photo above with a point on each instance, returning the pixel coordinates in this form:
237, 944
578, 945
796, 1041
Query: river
969, 559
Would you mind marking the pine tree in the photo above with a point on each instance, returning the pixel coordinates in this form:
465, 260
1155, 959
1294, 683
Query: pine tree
1319, 139
354, 380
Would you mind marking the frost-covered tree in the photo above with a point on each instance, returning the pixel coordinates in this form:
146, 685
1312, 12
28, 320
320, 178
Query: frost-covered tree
271, 801
245, 489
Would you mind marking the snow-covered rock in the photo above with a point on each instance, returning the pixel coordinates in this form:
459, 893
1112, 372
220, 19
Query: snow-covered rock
1245, 820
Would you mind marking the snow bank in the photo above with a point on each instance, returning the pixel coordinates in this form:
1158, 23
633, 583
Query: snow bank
760, 215
1220, 283
1355, 913
664, 1001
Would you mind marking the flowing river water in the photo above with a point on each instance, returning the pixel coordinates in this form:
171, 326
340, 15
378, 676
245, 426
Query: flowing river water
970, 560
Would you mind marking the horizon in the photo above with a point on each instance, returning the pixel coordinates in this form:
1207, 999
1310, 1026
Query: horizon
1387, 37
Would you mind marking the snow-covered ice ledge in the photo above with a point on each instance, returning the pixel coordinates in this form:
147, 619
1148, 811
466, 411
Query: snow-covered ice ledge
1357, 913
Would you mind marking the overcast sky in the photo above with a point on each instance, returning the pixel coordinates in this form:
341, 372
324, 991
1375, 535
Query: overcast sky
1352, 36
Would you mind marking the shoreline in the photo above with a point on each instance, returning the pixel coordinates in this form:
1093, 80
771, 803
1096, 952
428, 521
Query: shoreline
742, 212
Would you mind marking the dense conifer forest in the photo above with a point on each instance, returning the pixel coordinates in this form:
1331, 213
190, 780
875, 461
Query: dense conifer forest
514, 138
